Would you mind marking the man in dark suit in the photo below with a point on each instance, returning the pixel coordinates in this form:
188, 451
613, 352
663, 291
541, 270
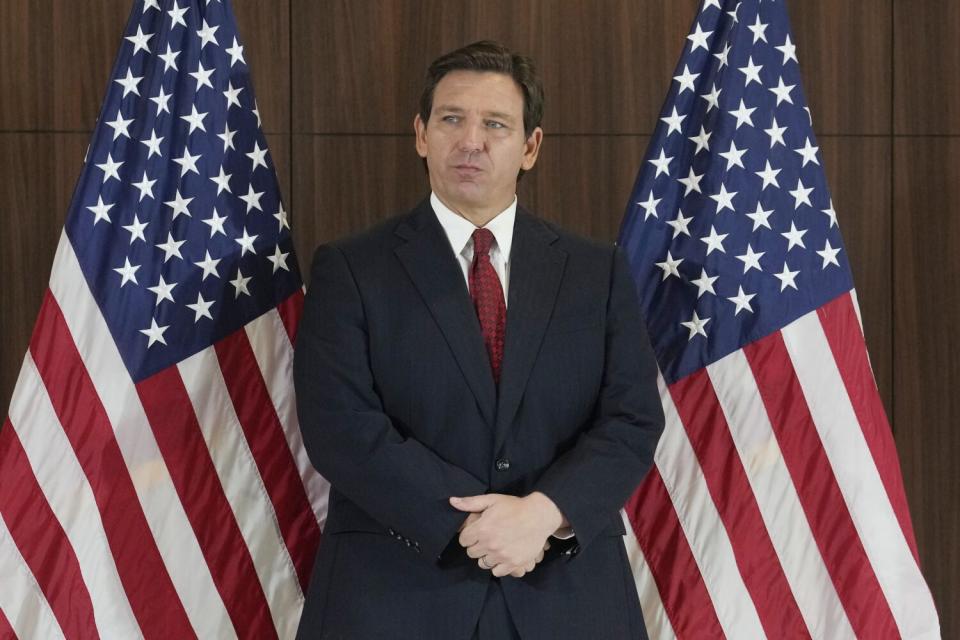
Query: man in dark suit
478, 387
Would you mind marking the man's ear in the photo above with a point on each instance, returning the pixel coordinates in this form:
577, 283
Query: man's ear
420, 130
531, 149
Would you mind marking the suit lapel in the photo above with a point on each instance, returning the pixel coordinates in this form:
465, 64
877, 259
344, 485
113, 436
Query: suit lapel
435, 272
536, 269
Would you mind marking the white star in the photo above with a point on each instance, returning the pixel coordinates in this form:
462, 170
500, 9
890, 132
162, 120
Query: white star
794, 237
101, 211
171, 247
662, 164
231, 95
831, 214
789, 51
776, 133
240, 284
259, 156
153, 145
140, 41
136, 229
195, 119
787, 278
681, 224
751, 259
236, 53
714, 241
128, 272
801, 195
733, 14
691, 182
829, 254
206, 35
743, 114
163, 290
723, 57
203, 76
699, 39
782, 91
724, 199
155, 333
702, 141
669, 266
686, 80
673, 121
129, 83
769, 176
712, 98
696, 326
216, 223
752, 71
110, 168
734, 156
209, 266
227, 137
176, 16
742, 300
188, 162
760, 218
252, 199
281, 217
150, 4
650, 206
145, 186
222, 181
162, 99
809, 153
120, 126
809, 115
279, 260
711, 3
169, 59
704, 283
179, 205
759, 30
201, 308
256, 112
246, 243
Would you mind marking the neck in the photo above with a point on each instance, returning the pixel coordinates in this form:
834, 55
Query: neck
479, 217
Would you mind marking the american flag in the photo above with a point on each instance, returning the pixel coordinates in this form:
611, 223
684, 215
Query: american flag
153, 481
776, 508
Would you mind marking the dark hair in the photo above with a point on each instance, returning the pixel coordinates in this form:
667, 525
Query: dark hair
487, 55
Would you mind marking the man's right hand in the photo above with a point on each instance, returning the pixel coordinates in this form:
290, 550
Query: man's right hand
518, 573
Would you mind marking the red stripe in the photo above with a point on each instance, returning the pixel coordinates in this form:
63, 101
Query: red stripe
175, 426
41, 540
682, 590
6, 631
146, 582
705, 423
820, 496
840, 324
290, 311
270, 450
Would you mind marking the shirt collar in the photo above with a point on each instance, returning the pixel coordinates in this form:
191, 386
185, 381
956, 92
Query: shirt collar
459, 230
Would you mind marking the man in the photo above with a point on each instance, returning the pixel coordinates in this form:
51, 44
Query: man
478, 387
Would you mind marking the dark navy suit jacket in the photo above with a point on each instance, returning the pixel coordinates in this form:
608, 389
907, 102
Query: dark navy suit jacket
399, 411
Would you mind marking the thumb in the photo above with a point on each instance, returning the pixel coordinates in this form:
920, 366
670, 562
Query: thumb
471, 503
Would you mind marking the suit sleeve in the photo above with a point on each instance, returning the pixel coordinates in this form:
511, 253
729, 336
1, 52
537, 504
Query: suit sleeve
348, 437
591, 481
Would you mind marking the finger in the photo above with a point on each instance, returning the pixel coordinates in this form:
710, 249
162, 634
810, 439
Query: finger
471, 503
546, 545
500, 570
518, 573
476, 552
529, 567
539, 557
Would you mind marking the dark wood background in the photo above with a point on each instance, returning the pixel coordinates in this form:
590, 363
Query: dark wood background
337, 82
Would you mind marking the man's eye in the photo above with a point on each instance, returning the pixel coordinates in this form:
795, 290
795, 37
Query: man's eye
494, 124
450, 118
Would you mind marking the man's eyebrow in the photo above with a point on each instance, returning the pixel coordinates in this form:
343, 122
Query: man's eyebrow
449, 108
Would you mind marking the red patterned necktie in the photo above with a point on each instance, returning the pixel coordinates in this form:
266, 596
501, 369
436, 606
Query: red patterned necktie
487, 297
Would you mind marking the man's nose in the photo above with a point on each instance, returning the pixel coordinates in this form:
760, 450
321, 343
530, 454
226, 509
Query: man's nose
473, 138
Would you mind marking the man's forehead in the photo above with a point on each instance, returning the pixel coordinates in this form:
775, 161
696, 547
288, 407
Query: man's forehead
488, 91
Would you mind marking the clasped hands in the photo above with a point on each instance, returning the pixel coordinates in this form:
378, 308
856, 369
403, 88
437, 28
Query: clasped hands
507, 534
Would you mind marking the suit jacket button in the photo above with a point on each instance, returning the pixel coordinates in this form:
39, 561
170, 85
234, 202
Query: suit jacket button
392, 533
503, 464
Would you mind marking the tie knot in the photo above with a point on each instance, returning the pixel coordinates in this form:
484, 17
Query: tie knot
482, 239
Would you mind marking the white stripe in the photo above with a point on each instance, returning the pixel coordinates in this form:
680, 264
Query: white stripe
654, 614
274, 354
860, 483
21, 599
71, 499
165, 515
777, 498
856, 308
243, 487
703, 528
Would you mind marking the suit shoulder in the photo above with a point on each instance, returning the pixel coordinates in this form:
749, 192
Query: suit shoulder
576, 243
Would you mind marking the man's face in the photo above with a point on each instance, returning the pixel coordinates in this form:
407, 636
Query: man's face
474, 142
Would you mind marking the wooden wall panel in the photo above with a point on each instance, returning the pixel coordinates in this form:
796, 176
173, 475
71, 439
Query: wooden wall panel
927, 355
264, 27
